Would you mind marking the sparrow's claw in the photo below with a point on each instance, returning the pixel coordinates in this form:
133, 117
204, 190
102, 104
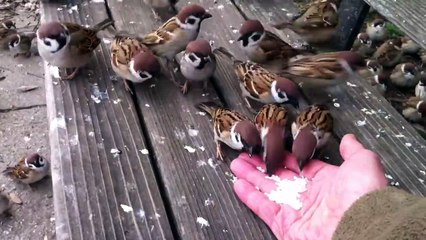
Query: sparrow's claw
205, 86
156, 16
250, 108
219, 153
184, 88
127, 86
70, 76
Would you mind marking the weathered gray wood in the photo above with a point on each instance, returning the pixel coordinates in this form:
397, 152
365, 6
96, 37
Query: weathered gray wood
191, 181
89, 183
407, 15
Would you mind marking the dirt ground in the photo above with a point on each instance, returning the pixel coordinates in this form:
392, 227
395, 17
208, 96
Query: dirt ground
23, 130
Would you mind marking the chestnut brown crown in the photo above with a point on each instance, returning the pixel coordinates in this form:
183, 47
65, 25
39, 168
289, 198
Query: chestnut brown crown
192, 10
251, 26
146, 61
51, 30
201, 46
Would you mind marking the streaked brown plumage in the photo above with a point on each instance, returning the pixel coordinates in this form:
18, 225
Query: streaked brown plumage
311, 131
232, 128
20, 44
271, 122
29, 169
389, 53
414, 109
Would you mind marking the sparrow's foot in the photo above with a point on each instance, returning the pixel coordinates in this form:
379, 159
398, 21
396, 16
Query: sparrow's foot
248, 105
205, 86
28, 54
127, 86
70, 76
156, 16
219, 153
184, 88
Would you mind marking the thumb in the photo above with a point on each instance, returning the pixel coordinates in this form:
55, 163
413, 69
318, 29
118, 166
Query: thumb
350, 146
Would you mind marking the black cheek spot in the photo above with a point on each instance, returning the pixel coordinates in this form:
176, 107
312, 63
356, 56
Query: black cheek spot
191, 21
255, 37
280, 95
192, 58
143, 75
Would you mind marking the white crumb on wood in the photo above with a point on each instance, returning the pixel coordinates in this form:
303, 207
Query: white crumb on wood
203, 222
106, 40
232, 176
147, 105
220, 6
27, 138
126, 208
261, 169
98, 1
208, 202
423, 172
211, 163
58, 122
351, 84
399, 135
115, 152
189, 149
91, 134
388, 176
201, 163
141, 213
116, 101
96, 99
193, 132
202, 148
288, 191
337, 105
421, 180
360, 123
157, 216
54, 72
201, 113
407, 144
144, 151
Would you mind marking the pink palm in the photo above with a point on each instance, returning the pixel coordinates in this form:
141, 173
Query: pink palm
330, 191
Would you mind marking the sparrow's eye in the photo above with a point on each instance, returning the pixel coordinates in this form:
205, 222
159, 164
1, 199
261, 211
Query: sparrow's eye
47, 43
41, 160
192, 58
281, 94
144, 75
255, 37
190, 20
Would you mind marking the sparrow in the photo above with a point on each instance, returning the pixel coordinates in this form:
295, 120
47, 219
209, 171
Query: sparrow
422, 54
5, 203
233, 129
198, 63
414, 109
262, 85
409, 46
20, 44
405, 75
420, 90
271, 122
68, 45
29, 169
377, 30
311, 131
317, 24
262, 46
363, 45
389, 53
373, 73
7, 28
324, 65
173, 36
132, 60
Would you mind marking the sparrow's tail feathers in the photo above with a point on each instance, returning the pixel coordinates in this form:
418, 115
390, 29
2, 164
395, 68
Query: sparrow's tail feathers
104, 24
8, 171
207, 107
224, 51
283, 25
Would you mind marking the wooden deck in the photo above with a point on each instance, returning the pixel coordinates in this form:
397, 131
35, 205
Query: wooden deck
168, 187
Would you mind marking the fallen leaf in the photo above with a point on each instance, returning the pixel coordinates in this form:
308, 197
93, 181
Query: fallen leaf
15, 198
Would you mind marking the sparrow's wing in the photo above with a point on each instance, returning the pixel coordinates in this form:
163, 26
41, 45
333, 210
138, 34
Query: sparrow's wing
271, 113
19, 171
82, 38
123, 49
325, 65
224, 119
163, 34
317, 116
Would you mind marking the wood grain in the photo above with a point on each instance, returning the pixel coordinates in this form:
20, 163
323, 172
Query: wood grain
89, 183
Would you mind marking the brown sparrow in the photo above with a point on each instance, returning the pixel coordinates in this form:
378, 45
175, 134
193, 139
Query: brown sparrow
20, 44
414, 109
324, 65
271, 122
5, 203
377, 30
363, 45
405, 75
420, 90
173, 36
68, 45
198, 63
389, 53
409, 46
233, 129
422, 54
262, 46
311, 131
132, 60
7, 28
373, 73
29, 169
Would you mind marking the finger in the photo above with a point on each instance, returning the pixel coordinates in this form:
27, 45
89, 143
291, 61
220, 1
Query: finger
256, 201
242, 169
289, 161
349, 146
254, 160
314, 166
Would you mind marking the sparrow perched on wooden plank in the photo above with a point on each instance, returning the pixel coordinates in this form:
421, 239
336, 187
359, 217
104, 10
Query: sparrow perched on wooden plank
68, 45
405, 75
262, 46
324, 65
409, 46
132, 60
198, 63
233, 129
311, 131
414, 109
376, 30
364, 46
271, 122
20, 44
173, 36
7, 28
261, 85
420, 90
29, 169
389, 53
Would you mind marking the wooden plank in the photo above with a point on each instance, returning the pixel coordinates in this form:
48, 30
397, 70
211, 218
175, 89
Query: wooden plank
197, 186
89, 183
406, 15
402, 162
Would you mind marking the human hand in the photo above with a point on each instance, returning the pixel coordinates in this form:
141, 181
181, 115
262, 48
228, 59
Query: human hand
331, 190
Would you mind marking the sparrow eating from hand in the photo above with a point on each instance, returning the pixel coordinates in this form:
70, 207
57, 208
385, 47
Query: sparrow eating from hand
363, 45
198, 63
420, 90
311, 131
132, 60
376, 30
389, 53
68, 45
7, 28
414, 109
29, 169
405, 75
233, 129
262, 46
20, 44
271, 122
173, 36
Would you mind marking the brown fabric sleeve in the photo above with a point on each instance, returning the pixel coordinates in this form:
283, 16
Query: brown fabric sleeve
388, 214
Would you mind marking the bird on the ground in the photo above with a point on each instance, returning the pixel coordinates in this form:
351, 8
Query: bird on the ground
363, 45
405, 75
7, 28
373, 73
389, 53
20, 44
376, 30
414, 109
29, 169
409, 46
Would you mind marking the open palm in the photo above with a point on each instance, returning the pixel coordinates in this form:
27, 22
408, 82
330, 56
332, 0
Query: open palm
331, 190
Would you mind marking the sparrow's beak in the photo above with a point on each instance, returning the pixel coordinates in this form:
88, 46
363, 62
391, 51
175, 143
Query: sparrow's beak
207, 15
252, 150
304, 146
294, 102
240, 38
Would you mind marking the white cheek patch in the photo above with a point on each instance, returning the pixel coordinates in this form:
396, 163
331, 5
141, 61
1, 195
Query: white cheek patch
252, 43
236, 139
195, 63
136, 75
54, 45
275, 94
